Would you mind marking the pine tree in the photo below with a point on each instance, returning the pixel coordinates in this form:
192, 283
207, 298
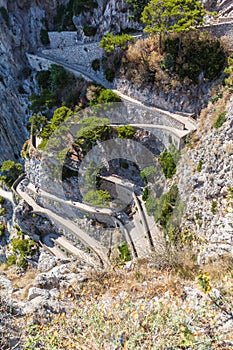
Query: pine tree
177, 16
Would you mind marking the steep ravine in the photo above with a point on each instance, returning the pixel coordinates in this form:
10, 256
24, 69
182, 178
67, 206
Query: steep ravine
17, 35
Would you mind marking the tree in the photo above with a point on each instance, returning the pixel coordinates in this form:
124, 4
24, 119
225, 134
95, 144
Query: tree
110, 42
92, 129
37, 122
177, 16
10, 172
136, 8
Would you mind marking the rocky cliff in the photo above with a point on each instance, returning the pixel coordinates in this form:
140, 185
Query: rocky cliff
21, 22
205, 177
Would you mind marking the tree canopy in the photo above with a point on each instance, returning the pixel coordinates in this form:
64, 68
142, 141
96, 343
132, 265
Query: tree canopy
110, 42
10, 172
179, 16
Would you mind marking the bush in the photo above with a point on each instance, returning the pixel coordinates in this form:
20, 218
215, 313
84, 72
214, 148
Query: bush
124, 252
44, 37
2, 200
11, 260
126, 131
10, 172
109, 74
199, 165
89, 31
2, 229
214, 205
107, 96
221, 119
2, 211
200, 52
95, 64
4, 14
168, 164
98, 198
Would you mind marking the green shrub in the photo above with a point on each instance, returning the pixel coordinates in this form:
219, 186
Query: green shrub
167, 163
4, 14
214, 205
98, 197
44, 37
200, 52
11, 260
165, 206
2, 229
126, 131
221, 119
2, 200
109, 74
89, 31
124, 252
10, 172
199, 165
148, 173
2, 211
95, 64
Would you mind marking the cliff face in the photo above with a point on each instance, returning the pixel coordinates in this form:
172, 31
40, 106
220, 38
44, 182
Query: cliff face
205, 177
108, 16
21, 22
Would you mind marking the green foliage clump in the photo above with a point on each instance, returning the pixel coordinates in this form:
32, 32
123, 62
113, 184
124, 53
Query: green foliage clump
4, 14
59, 76
53, 83
126, 131
95, 64
89, 31
172, 16
124, 252
92, 175
2, 211
165, 206
44, 37
229, 71
136, 8
10, 171
168, 160
60, 115
107, 96
203, 280
214, 205
99, 198
199, 53
148, 173
11, 260
92, 129
199, 165
2, 229
110, 42
37, 121
22, 248
221, 119
98, 95
2, 200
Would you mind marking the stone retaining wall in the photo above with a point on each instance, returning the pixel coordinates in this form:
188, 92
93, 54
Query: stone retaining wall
79, 54
62, 39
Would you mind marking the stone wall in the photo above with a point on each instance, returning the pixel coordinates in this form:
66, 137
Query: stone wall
62, 39
222, 30
77, 54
